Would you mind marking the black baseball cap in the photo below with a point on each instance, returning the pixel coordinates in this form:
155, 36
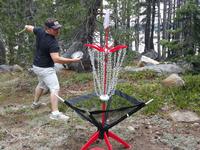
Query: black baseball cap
53, 23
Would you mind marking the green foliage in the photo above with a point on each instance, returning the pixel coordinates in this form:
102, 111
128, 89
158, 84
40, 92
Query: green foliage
75, 78
129, 57
144, 91
82, 78
189, 14
146, 86
16, 14
174, 32
187, 10
120, 34
186, 97
11, 22
141, 75
187, 23
143, 86
195, 61
123, 10
173, 45
72, 15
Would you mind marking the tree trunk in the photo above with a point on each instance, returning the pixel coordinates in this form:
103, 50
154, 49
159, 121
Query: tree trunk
2, 53
101, 32
137, 26
116, 22
164, 28
147, 27
137, 31
85, 36
128, 42
159, 17
170, 52
152, 26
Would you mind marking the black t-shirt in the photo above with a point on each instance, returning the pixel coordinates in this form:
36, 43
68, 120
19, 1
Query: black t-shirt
45, 44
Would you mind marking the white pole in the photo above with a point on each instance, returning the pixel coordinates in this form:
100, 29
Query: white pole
149, 101
59, 98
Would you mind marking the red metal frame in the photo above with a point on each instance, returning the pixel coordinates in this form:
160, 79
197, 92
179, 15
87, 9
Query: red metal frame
108, 134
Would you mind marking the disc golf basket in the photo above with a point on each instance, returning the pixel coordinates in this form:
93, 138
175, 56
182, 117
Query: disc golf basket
106, 62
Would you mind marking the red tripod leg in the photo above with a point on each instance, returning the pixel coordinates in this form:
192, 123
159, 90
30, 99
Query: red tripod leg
107, 141
92, 139
118, 139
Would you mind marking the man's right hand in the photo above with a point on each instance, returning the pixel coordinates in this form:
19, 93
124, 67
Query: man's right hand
76, 59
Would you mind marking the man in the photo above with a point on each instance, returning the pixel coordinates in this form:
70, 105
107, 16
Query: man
46, 54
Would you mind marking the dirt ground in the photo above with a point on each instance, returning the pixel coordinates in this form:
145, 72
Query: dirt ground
22, 128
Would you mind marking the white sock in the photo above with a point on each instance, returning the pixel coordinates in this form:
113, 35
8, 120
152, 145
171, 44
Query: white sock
55, 112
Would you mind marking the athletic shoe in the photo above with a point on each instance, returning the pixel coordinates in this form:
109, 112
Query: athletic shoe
36, 105
59, 116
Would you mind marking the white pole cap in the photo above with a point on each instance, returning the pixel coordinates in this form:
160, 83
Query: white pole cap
104, 97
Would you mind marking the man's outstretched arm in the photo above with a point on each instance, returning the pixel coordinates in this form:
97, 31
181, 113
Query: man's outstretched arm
61, 60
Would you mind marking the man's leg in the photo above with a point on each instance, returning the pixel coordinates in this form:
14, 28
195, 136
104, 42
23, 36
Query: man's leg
38, 93
52, 83
41, 88
54, 101
55, 114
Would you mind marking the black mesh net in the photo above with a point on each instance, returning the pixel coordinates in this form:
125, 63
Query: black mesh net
117, 108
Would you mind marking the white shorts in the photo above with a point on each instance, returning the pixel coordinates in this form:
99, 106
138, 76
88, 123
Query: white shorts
47, 78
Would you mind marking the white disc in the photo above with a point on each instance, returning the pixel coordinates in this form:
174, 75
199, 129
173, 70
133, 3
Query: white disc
77, 54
